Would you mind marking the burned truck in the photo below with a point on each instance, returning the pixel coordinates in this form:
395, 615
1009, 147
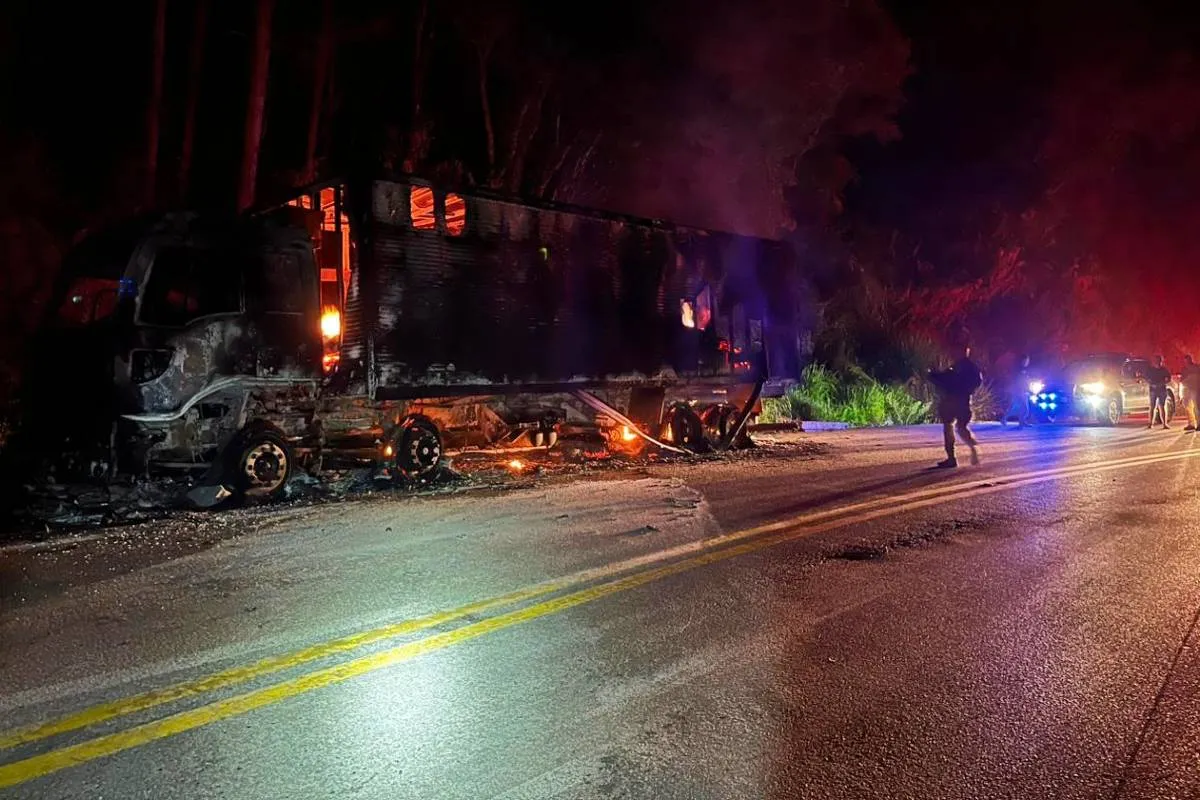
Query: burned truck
389, 322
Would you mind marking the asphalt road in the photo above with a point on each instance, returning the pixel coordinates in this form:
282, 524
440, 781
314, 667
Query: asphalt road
826, 619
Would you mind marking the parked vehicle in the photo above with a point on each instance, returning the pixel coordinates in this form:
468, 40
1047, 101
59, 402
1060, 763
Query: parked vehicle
1102, 388
387, 321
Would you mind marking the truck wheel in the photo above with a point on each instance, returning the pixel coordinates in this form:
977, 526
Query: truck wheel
418, 447
718, 426
1169, 408
1112, 412
262, 463
687, 429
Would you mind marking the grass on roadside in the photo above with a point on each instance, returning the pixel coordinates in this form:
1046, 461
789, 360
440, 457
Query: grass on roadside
855, 398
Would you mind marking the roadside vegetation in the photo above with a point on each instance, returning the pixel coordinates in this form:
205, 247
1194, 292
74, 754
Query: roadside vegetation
853, 397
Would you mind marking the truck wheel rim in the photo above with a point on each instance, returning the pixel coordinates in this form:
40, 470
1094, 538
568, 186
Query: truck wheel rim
265, 467
423, 453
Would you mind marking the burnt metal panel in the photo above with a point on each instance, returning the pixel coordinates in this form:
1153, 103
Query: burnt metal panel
544, 296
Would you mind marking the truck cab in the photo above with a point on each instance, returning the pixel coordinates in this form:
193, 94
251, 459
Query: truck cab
163, 333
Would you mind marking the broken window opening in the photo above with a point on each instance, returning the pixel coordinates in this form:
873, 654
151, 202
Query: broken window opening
421, 207
188, 283
704, 309
456, 214
335, 248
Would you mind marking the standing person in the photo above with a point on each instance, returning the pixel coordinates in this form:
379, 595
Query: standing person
1158, 377
1191, 391
1019, 392
955, 387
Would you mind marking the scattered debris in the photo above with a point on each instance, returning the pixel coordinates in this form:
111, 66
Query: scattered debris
53, 509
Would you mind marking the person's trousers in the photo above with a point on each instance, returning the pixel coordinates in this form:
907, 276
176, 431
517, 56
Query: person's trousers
956, 422
1158, 406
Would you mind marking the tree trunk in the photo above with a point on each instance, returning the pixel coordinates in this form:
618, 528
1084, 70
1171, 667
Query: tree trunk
416, 146
567, 189
256, 102
512, 176
195, 72
551, 172
154, 107
320, 76
488, 130
420, 59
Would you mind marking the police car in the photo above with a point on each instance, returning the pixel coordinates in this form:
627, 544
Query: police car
1104, 388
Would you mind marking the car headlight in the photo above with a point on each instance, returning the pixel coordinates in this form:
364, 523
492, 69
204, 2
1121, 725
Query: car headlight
1035, 387
1095, 387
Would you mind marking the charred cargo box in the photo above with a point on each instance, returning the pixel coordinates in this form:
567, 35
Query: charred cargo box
478, 291
386, 320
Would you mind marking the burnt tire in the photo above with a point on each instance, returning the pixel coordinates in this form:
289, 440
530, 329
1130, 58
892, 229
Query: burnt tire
418, 448
719, 421
687, 429
260, 463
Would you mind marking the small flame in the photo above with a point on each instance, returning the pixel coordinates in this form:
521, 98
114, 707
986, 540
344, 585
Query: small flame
687, 314
516, 465
388, 451
331, 323
627, 435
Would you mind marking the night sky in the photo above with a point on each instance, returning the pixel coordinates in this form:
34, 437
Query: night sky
950, 128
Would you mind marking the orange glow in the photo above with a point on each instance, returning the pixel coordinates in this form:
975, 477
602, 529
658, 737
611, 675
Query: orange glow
388, 451
627, 435
456, 214
330, 360
331, 323
421, 208
516, 465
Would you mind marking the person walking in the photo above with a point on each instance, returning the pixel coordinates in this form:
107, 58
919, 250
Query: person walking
1018, 405
1158, 377
1191, 392
955, 387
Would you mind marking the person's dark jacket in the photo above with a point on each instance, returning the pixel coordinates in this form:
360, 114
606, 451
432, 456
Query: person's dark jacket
1158, 378
960, 381
955, 387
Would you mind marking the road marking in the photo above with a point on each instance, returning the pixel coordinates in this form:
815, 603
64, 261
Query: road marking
233, 676
110, 744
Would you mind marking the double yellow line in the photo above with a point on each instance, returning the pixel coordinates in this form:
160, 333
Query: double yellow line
606, 580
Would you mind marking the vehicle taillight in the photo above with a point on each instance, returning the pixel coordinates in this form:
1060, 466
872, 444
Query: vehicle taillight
146, 365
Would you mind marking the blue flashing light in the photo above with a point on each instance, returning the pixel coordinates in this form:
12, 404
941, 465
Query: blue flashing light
127, 287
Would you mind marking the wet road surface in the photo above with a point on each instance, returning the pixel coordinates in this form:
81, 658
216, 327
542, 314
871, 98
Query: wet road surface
831, 619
